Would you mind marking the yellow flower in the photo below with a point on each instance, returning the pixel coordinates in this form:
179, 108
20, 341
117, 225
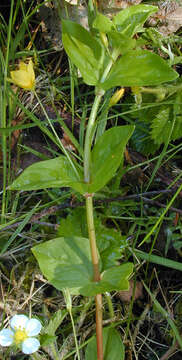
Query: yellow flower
24, 77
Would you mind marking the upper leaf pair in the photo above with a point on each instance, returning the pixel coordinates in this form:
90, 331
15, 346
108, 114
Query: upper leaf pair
91, 57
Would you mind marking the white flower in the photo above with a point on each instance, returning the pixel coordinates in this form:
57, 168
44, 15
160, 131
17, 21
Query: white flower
22, 334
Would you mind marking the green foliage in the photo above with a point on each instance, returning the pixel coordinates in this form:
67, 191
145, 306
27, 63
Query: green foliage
107, 56
55, 322
157, 124
75, 223
141, 138
102, 23
107, 155
122, 42
159, 260
127, 22
56, 172
83, 49
92, 57
130, 20
46, 339
165, 314
112, 345
66, 263
16, 41
167, 124
161, 127
127, 70
109, 241
117, 39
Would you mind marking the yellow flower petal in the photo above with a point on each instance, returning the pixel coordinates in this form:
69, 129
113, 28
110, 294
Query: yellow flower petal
20, 78
25, 76
22, 66
31, 70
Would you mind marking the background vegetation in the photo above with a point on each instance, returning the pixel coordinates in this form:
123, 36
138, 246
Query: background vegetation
137, 214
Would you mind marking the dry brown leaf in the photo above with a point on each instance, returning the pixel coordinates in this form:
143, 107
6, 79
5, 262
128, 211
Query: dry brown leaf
126, 295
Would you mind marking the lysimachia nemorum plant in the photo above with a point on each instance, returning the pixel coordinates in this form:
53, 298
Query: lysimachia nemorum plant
107, 56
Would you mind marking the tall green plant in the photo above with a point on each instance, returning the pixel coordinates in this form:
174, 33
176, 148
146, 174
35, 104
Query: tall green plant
106, 59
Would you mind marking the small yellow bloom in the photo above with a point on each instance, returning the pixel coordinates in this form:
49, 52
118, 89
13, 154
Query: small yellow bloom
25, 76
116, 97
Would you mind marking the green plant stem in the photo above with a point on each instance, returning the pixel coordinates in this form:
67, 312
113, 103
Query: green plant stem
89, 135
54, 351
99, 334
161, 89
95, 262
89, 202
110, 305
93, 114
116, 52
67, 297
74, 333
92, 238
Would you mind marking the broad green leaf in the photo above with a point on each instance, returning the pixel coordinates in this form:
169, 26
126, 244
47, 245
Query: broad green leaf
110, 243
139, 68
110, 257
115, 278
56, 172
66, 263
113, 346
83, 49
102, 23
107, 155
121, 42
130, 20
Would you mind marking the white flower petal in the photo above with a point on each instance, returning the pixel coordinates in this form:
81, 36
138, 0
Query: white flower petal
30, 345
6, 337
19, 322
33, 327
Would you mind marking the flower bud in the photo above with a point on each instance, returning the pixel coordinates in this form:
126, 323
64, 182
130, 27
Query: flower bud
116, 97
104, 39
